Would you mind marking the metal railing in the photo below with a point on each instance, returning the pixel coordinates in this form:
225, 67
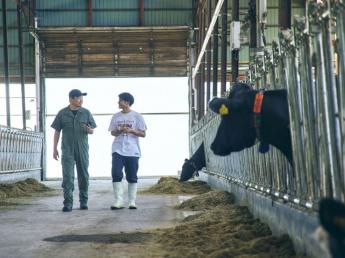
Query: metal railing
20, 150
308, 61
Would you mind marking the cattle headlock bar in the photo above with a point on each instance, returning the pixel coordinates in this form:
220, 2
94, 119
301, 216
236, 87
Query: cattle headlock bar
308, 61
20, 154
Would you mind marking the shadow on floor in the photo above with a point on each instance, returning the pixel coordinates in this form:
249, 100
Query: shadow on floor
135, 237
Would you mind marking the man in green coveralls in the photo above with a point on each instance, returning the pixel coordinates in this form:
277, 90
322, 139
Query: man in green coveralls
76, 123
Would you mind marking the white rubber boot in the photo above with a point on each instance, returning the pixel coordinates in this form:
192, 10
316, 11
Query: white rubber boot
118, 194
132, 195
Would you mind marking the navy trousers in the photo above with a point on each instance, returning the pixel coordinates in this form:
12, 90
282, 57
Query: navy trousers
131, 165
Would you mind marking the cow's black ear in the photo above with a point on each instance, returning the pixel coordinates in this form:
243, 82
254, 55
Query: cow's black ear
224, 106
219, 106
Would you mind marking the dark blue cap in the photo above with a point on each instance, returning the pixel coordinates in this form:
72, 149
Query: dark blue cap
127, 97
76, 93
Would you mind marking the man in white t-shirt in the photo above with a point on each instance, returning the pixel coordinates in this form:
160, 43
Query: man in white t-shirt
127, 126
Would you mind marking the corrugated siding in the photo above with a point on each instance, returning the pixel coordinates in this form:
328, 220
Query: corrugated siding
62, 4
167, 18
122, 13
14, 61
11, 17
118, 4
116, 18
62, 18
13, 56
168, 4
12, 40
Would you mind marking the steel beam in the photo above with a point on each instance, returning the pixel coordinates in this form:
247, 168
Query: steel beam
6, 73
142, 11
207, 37
89, 17
215, 60
224, 46
21, 65
284, 14
235, 15
208, 56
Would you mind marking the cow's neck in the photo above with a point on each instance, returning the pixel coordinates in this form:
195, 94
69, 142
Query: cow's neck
198, 157
275, 121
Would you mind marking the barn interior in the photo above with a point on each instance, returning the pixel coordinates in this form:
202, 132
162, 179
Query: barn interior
293, 45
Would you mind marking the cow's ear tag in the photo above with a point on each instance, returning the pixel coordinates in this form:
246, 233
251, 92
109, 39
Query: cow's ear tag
264, 147
223, 110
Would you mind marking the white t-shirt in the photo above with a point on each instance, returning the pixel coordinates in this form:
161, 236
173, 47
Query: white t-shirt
127, 144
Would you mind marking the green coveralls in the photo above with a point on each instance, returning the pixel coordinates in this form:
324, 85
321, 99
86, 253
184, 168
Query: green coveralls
74, 150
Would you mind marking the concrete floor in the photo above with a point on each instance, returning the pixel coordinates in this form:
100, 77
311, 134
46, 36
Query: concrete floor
24, 228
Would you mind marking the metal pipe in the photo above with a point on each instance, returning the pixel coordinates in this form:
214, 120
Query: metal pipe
202, 70
197, 77
215, 61
6, 72
328, 94
208, 56
235, 15
339, 10
21, 65
224, 47
284, 15
252, 26
141, 18
37, 80
308, 95
207, 37
89, 17
42, 148
293, 86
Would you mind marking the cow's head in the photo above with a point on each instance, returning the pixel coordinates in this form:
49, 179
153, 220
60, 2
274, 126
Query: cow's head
236, 131
332, 218
194, 164
188, 170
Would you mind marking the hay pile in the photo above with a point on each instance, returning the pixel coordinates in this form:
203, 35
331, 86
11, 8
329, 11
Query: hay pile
222, 230
171, 185
207, 201
29, 187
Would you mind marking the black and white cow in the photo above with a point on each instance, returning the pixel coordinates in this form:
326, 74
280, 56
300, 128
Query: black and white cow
332, 219
248, 115
194, 164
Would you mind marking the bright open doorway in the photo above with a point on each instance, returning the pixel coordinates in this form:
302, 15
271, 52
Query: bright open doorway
163, 103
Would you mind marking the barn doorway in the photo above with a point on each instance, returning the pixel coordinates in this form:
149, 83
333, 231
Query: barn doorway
163, 103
